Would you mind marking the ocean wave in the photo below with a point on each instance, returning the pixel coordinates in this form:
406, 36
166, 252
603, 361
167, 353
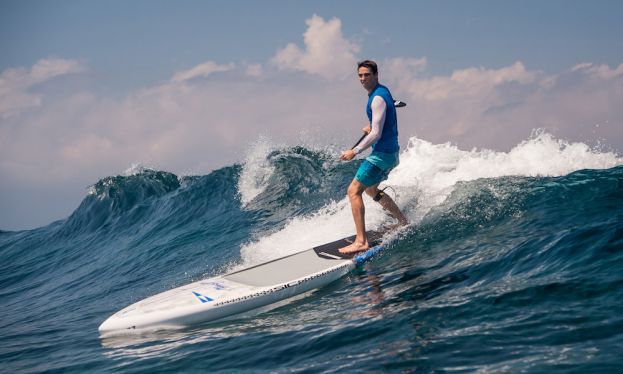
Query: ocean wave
509, 255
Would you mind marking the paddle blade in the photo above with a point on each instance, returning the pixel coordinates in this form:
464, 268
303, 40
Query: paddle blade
399, 104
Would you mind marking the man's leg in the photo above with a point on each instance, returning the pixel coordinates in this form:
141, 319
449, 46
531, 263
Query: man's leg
355, 192
388, 204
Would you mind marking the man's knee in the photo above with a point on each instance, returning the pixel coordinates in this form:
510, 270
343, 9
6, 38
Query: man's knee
355, 189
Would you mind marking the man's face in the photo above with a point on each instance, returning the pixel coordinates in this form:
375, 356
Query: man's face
367, 79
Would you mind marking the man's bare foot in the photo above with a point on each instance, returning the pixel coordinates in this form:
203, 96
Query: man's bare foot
355, 247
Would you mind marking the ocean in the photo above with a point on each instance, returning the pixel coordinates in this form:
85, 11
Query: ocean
513, 262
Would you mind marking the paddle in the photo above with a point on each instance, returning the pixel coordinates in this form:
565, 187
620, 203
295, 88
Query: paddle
397, 104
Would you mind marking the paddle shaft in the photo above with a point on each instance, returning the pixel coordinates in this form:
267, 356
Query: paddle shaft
360, 139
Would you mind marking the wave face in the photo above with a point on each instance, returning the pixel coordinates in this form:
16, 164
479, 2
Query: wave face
513, 262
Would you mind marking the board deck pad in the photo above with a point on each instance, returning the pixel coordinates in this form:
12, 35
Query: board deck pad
331, 250
282, 270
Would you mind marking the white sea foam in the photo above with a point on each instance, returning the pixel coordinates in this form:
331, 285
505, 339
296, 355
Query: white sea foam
135, 169
424, 179
256, 170
330, 223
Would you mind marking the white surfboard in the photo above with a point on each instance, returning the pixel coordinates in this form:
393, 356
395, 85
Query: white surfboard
242, 291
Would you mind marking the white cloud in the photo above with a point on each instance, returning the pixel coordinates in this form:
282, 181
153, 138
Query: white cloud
602, 71
327, 53
254, 70
403, 68
581, 66
465, 83
201, 71
16, 83
496, 108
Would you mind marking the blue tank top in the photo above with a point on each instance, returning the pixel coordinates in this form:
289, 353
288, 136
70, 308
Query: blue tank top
388, 142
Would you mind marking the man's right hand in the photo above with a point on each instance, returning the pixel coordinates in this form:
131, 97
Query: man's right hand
348, 155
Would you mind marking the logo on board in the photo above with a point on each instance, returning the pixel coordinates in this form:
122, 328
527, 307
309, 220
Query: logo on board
202, 298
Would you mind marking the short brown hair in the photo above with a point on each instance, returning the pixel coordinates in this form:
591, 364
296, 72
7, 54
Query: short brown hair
370, 65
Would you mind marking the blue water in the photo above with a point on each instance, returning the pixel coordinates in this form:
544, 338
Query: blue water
513, 262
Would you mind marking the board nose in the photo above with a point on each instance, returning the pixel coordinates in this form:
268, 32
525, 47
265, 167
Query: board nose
105, 326
108, 325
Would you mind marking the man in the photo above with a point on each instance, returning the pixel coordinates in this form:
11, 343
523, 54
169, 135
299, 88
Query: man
382, 136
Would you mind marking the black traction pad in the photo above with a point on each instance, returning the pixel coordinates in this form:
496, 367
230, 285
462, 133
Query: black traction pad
331, 250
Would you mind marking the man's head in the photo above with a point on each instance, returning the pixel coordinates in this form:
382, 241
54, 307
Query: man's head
368, 74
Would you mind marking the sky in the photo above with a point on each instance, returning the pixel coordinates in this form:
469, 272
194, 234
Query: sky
90, 88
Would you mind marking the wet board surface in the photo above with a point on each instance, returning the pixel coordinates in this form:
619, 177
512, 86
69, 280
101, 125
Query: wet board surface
331, 250
301, 264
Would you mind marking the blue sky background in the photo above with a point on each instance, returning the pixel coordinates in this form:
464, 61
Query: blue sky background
139, 42
89, 75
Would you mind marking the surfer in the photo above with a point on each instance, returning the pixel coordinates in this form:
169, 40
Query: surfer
382, 136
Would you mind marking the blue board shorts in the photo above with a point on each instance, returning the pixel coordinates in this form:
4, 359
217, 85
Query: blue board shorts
376, 167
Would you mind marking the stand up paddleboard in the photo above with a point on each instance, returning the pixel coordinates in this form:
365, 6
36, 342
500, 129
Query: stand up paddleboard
244, 290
